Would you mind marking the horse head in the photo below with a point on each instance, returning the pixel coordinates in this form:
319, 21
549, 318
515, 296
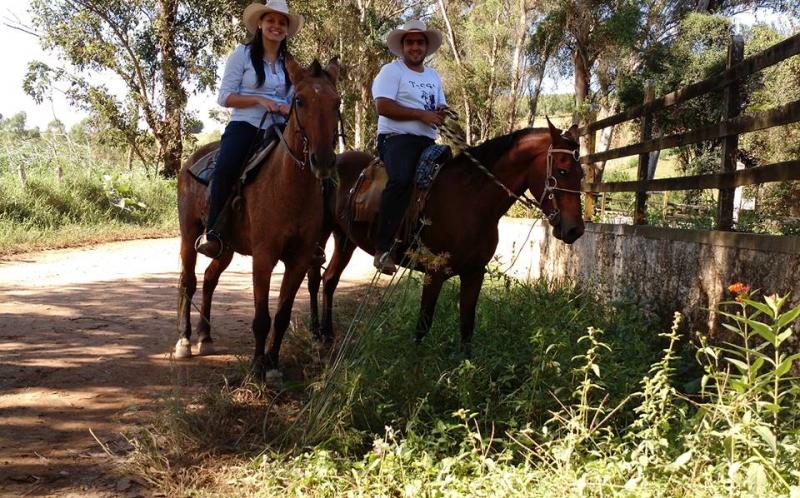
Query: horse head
556, 183
315, 108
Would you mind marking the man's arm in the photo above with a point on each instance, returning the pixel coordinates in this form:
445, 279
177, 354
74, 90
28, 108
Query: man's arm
392, 110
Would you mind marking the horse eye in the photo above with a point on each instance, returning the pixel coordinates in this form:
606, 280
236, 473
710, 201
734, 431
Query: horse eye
562, 172
299, 102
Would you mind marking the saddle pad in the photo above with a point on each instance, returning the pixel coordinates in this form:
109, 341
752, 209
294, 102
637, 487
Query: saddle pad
203, 169
256, 160
429, 162
368, 190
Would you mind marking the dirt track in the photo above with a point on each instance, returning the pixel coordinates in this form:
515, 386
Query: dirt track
85, 336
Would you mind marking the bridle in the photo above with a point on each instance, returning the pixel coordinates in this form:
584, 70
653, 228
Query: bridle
550, 183
304, 137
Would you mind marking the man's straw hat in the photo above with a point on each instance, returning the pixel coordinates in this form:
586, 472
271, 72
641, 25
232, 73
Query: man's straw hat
394, 40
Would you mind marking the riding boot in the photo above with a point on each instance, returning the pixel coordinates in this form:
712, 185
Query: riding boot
210, 245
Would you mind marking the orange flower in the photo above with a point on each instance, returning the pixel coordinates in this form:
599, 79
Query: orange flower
739, 288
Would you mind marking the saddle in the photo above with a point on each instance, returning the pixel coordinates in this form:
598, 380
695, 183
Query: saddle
366, 193
203, 169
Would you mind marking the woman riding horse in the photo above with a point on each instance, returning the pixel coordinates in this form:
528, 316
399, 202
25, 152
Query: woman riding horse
281, 215
255, 81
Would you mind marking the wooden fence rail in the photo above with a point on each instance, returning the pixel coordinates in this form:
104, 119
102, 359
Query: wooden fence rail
729, 129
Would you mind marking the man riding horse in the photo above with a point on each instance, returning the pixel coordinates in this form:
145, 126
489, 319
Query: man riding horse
409, 99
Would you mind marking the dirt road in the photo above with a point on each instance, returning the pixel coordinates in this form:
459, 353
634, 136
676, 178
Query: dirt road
85, 337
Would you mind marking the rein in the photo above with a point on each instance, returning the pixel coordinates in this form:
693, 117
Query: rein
301, 130
300, 164
550, 183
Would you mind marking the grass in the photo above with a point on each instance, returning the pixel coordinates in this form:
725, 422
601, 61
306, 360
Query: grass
565, 394
55, 193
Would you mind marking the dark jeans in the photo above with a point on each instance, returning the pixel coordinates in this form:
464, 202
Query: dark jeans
400, 154
233, 151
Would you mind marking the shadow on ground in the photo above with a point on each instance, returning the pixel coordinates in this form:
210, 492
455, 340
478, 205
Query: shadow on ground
96, 356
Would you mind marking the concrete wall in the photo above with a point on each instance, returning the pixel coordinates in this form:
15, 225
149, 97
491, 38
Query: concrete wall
676, 270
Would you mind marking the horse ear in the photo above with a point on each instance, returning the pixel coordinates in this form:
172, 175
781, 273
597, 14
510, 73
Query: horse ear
333, 69
315, 68
554, 132
294, 70
572, 132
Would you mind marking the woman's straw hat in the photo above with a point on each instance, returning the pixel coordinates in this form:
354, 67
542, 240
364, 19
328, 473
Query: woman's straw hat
254, 12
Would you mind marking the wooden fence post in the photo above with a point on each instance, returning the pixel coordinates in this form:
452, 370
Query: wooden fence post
730, 144
640, 215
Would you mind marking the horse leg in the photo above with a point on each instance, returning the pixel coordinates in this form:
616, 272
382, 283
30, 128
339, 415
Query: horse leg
187, 285
314, 279
205, 344
430, 294
262, 274
470, 289
292, 278
342, 253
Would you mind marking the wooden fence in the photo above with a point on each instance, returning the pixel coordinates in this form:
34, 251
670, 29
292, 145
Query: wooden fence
729, 129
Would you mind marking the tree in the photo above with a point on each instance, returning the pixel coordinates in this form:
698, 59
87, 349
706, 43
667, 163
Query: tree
160, 50
15, 125
353, 30
56, 127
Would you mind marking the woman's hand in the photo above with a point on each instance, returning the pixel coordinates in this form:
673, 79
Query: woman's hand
284, 109
269, 105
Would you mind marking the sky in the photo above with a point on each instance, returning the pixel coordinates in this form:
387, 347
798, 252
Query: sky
15, 62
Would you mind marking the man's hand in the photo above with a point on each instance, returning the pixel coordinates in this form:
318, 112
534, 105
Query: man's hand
432, 118
284, 109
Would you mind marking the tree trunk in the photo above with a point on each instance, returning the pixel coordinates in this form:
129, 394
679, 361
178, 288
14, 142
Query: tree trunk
451, 39
174, 98
360, 118
533, 100
587, 142
517, 62
486, 124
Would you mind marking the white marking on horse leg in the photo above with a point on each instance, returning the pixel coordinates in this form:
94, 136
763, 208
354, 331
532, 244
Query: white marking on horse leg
183, 349
205, 348
273, 378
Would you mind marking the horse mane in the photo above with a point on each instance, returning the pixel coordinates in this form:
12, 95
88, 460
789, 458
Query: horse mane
493, 149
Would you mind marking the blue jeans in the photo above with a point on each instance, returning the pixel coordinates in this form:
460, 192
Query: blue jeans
234, 148
400, 154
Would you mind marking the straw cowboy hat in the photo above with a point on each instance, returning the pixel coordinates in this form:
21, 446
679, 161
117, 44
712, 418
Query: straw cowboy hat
254, 11
394, 40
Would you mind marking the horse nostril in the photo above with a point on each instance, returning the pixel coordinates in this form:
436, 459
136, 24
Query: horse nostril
313, 158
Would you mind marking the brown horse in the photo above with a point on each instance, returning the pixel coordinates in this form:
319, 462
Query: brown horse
281, 219
464, 207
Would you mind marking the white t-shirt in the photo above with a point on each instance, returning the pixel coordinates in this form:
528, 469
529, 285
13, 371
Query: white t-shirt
409, 89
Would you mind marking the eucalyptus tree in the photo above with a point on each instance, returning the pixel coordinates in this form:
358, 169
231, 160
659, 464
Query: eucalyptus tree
158, 50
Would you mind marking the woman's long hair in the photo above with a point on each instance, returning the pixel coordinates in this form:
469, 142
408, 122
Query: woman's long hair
257, 58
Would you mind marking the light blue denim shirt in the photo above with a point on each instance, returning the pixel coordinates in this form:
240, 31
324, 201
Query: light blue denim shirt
240, 77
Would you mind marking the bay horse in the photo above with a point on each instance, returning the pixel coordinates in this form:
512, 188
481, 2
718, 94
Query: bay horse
282, 216
464, 207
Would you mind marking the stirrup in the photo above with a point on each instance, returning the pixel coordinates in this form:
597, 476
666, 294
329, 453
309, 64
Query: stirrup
211, 234
387, 268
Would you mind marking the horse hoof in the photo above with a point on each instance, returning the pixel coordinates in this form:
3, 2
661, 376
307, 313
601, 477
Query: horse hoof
273, 378
183, 349
206, 348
